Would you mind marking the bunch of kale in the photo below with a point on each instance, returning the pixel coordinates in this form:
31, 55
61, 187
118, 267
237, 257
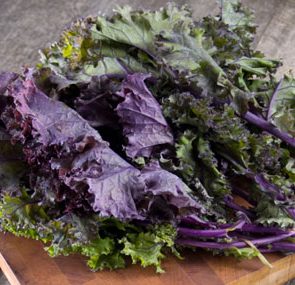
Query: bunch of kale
146, 132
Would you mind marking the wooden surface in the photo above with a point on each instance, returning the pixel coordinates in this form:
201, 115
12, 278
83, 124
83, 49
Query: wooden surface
8, 272
26, 26
32, 266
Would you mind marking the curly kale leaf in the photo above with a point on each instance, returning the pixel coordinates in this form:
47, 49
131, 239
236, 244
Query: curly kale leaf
141, 117
281, 110
147, 248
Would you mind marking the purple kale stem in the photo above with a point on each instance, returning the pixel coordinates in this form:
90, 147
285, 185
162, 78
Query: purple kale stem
273, 99
291, 212
237, 225
283, 246
263, 230
218, 232
270, 128
230, 203
224, 226
203, 244
271, 189
238, 244
202, 233
241, 222
268, 186
196, 221
266, 240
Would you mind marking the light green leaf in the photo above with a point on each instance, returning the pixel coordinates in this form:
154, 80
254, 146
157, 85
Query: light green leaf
282, 106
270, 214
146, 247
255, 65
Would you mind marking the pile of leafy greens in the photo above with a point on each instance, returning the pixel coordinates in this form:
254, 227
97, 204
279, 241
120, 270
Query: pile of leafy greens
147, 132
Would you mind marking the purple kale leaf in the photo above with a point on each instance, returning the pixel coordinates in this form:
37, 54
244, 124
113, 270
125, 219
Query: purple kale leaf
57, 138
69, 154
168, 192
97, 100
141, 117
113, 182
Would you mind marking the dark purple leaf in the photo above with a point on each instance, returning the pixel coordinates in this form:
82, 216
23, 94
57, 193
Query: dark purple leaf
171, 188
55, 135
141, 117
97, 100
59, 140
113, 182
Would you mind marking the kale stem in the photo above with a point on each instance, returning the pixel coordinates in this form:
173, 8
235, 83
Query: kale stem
270, 128
273, 99
283, 246
239, 243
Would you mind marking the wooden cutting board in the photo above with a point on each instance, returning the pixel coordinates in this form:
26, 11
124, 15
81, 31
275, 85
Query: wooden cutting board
24, 261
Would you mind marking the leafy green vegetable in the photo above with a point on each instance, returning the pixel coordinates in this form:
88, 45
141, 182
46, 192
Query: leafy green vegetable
144, 132
282, 105
105, 242
146, 248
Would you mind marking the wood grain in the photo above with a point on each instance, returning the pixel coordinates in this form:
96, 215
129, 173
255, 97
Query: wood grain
8, 272
278, 39
32, 266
